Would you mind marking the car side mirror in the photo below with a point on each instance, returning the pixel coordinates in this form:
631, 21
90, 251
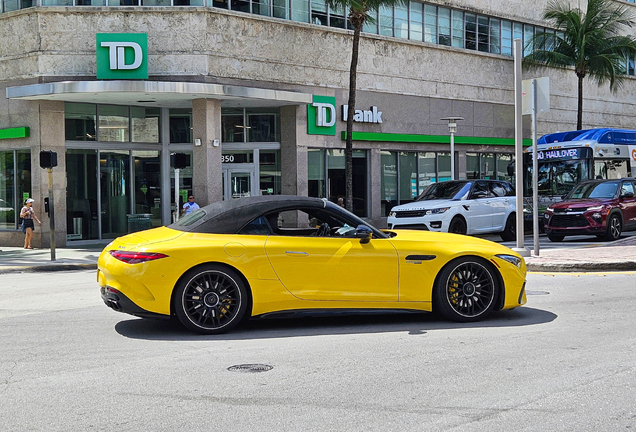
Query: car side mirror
364, 233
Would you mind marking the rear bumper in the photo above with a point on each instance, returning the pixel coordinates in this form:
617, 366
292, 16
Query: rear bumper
120, 303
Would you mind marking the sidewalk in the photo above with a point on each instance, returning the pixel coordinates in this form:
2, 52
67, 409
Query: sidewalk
616, 256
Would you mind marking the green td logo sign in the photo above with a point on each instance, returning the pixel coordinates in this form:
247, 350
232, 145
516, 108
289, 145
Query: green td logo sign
122, 56
321, 116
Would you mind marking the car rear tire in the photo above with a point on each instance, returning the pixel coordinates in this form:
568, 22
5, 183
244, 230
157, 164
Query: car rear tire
466, 290
210, 299
510, 230
457, 226
614, 228
555, 238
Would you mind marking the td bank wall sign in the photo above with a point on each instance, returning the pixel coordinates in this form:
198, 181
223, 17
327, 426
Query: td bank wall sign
321, 116
122, 56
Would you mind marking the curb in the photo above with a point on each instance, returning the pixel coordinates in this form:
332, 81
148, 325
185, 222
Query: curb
47, 268
582, 267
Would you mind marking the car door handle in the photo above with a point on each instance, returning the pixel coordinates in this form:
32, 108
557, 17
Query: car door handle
298, 253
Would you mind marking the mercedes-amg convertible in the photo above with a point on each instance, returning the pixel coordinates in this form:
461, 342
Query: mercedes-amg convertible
236, 259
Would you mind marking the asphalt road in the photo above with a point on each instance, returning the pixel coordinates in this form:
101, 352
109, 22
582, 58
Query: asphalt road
564, 362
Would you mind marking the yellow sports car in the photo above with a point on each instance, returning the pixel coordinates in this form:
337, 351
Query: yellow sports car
246, 257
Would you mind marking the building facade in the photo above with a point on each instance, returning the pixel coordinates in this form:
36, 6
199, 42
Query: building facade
254, 94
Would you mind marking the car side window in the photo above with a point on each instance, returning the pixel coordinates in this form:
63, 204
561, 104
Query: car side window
258, 226
510, 191
497, 189
480, 190
627, 187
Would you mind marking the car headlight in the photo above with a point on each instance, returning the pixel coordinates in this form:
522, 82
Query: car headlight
595, 208
549, 209
392, 214
511, 259
437, 210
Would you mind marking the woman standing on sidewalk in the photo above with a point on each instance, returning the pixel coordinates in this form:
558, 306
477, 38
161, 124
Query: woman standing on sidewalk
27, 214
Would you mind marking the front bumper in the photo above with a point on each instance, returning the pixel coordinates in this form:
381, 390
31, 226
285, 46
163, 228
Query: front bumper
436, 224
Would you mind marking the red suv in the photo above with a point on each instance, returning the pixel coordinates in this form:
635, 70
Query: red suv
603, 208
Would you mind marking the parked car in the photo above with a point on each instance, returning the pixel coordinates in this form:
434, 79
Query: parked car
252, 256
604, 208
460, 207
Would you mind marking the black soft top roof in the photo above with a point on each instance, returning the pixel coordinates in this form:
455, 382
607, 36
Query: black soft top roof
229, 216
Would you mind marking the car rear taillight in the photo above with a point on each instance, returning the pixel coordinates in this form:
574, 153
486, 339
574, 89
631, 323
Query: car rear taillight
136, 257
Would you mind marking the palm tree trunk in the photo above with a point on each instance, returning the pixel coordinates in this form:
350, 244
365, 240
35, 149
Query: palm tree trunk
351, 112
579, 113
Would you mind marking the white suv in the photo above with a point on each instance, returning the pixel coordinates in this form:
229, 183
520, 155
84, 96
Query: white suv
462, 207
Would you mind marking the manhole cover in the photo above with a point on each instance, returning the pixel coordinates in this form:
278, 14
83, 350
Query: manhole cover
537, 293
250, 368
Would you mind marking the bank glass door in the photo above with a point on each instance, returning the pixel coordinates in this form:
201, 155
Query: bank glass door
238, 183
114, 173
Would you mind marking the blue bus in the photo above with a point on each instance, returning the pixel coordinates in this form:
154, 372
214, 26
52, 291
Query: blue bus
567, 158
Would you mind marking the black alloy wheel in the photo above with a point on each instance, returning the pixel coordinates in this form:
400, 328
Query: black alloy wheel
510, 230
614, 228
466, 290
210, 299
457, 226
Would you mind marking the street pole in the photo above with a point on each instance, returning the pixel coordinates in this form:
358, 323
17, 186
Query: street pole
452, 150
51, 213
176, 195
535, 174
519, 149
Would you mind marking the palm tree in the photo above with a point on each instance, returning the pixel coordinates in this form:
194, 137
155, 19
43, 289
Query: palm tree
360, 12
593, 42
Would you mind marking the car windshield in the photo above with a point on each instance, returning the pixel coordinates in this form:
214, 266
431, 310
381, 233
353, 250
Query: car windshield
594, 190
445, 190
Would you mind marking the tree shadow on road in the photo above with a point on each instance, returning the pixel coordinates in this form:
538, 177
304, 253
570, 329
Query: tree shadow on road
302, 324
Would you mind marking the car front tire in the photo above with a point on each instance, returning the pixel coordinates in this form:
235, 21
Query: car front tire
614, 228
210, 299
457, 226
466, 290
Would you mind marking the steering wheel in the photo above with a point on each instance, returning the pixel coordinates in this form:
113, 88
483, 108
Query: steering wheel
324, 230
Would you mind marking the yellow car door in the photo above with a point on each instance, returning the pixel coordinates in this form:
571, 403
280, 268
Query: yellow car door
337, 269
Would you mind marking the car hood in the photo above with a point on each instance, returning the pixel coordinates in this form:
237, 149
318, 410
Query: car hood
582, 203
426, 205
142, 239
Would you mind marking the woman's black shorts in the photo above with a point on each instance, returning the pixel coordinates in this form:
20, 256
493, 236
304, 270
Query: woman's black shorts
28, 223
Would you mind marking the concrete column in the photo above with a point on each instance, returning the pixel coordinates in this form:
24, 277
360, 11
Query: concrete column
460, 169
51, 138
293, 151
166, 216
207, 180
375, 189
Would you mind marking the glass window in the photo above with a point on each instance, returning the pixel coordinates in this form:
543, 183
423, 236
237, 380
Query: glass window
11, 5
300, 10
261, 7
528, 32
371, 26
145, 124
81, 195
497, 189
269, 167
458, 29
503, 160
444, 26
113, 123
337, 17
263, 124
408, 176
232, 125
9, 205
402, 21
443, 166
430, 23
281, 9
386, 21
316, 179
79, 121
417, 16
241, 5
495, 40
488, 168
185, 183
483, 44
319, 12
336, 184
471, 31
181, 125
506, 38
539, 34
147, 185
427, 170
472, 166
480, 190
389, 181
